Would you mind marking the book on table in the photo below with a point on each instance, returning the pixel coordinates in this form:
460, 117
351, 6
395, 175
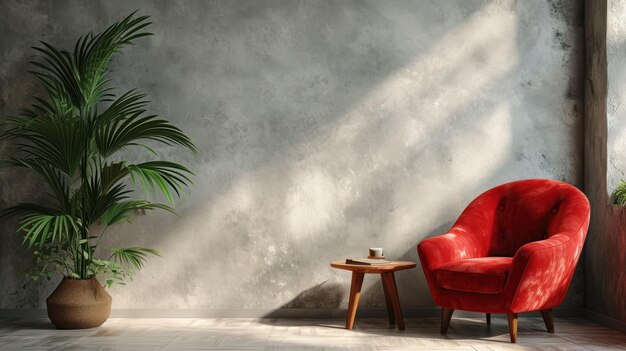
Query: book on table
367, 261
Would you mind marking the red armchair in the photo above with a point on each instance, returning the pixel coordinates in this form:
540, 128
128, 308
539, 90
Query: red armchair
513, 249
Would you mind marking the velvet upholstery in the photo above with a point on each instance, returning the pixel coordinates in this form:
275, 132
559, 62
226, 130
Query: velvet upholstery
513, 249
485, 275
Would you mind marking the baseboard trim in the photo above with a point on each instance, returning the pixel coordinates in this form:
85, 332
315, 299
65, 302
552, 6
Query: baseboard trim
606, 320
309, 313
23, 313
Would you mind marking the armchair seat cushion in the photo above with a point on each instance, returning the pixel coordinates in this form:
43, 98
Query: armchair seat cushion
486, 275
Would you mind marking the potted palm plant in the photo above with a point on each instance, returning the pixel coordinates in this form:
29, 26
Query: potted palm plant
73, 138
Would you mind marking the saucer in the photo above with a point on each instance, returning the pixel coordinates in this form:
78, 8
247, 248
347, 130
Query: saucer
376, 257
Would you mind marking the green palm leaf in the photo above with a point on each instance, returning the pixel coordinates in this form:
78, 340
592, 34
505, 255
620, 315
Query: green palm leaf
164, 176
82, 74
42, 227
59, 72
48, 135
128, 104
133, 256
128, 131
93, 52
56, 181
109, 175
96, 202
27, 208
123, 211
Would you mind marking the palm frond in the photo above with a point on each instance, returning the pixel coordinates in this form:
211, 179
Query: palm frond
82, 74
46, 135
93, 52
40, 228
123, 211
164, 176
60, 73
133, 256
54, 178
110, 174
96, 202
128, 104
27, 208
128, 131
102, 190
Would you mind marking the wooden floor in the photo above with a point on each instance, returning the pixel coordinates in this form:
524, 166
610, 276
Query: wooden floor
301, 334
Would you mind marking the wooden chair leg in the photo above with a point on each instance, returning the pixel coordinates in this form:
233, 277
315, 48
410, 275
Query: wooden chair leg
549, 320
513, 326
355, 293
446, 315
488, 318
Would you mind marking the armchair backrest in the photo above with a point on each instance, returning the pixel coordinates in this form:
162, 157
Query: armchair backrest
529, 210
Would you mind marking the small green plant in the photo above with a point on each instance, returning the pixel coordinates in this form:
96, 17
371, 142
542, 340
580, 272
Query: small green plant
619, 195
73, 139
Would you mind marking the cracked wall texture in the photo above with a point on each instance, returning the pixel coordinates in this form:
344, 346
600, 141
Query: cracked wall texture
324, 128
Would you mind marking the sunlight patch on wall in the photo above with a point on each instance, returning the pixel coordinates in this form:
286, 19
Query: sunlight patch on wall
616, 95
311, 202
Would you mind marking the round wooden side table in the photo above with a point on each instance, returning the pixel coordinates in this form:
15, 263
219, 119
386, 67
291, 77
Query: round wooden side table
386, 272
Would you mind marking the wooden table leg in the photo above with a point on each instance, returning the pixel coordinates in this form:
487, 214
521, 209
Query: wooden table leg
355, 293
390, 281
392, 317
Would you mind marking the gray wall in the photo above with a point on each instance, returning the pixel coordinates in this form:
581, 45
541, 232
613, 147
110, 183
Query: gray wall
616, 92
324, 128
605, 162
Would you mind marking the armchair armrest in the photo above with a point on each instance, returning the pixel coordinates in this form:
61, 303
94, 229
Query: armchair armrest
457, 244
470, 236
542, 271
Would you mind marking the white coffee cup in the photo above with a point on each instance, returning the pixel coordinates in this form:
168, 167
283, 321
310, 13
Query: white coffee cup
376, 251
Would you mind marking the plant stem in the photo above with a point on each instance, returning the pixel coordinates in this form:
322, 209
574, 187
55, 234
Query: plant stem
84, 247
100, 237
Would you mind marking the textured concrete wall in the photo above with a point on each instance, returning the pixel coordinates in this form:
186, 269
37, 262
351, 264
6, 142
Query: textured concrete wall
605, 287
616, 93
324, 128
